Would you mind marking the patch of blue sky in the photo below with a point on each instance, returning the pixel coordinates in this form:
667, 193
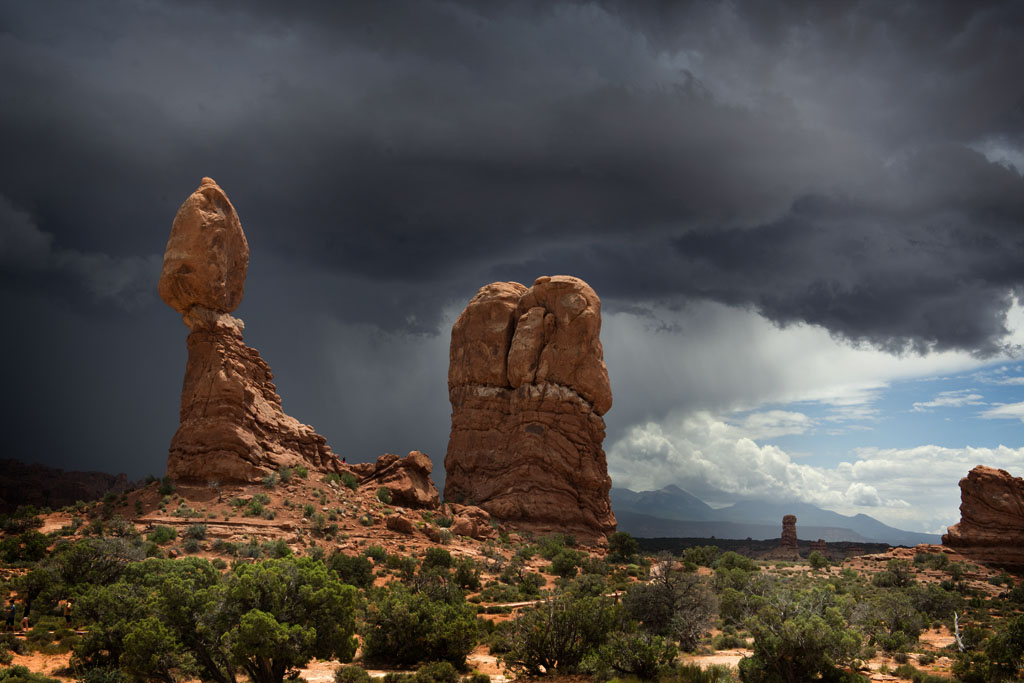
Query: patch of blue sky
980, 408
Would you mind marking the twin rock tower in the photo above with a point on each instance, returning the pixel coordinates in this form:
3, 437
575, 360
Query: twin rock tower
526, 379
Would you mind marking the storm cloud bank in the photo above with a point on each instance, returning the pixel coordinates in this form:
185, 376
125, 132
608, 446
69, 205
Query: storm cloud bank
853, 166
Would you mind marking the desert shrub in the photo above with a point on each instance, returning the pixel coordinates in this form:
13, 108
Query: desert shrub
166, 486
437, 672
466, 575
931, 560
285, 474
799, 647
377, 553
437, 558
674, 604
476, 677
384, 495
555, 635
702, 555
564, 563
638, 654
817, 560
622, 547
588, 584
350, 481
692, 673
196, 531
351, 674
727, 641
191, 545
405, 628
29, 546
733, 560
161, 535
354, 570
21, 674
549, 546
270, 481
277, 549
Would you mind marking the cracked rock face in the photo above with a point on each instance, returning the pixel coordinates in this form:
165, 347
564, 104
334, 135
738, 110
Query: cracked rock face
232, 425
991, 526
528, 386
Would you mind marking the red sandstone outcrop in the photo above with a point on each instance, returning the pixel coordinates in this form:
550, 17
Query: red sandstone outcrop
991, 527
471, 521
528, 386
788, 541
408, 479
232, 425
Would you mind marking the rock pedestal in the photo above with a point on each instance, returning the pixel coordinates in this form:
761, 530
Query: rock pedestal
232, 425
528, 386
788, 540
991, 527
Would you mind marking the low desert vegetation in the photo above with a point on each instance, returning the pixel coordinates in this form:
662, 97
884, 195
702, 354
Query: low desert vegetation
262, 609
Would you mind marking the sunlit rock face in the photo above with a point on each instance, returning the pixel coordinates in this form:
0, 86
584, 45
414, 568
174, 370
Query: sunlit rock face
232, 425
528, 388
991, 527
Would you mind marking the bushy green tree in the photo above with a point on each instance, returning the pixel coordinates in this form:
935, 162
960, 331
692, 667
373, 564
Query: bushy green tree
673, 604
405, 627
355, 570
622, 547
639, 654
279, 614
557, 634
798, 648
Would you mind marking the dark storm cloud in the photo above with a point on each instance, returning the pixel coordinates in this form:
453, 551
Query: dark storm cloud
815, 161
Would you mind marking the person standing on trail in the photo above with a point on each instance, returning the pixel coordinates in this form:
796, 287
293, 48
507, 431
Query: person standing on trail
27, 604
67, 613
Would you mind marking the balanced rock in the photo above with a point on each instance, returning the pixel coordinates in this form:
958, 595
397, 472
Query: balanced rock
991, 527
233, 427
528, 386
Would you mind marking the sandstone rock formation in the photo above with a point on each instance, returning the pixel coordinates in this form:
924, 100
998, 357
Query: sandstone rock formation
232, 425
991, 527
528, 386
788, 540
408, 479
471, 521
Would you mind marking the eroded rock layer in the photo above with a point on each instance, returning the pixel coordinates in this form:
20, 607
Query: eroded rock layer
991, 527
232, 425
528, 386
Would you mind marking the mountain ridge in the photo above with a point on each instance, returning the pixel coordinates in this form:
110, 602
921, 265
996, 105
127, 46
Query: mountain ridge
673, 511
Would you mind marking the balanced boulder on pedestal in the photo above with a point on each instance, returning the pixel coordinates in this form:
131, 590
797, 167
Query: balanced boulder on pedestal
232, 425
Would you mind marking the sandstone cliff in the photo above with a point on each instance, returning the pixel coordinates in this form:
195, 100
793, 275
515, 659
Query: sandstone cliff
991, 527
232, 425
528, 386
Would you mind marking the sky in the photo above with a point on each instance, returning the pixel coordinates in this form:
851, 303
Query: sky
805, 222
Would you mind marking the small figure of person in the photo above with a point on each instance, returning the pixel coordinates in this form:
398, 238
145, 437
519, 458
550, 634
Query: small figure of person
9, 623
67, 613
27, 604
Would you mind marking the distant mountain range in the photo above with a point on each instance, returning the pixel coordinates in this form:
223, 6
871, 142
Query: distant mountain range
674, 513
